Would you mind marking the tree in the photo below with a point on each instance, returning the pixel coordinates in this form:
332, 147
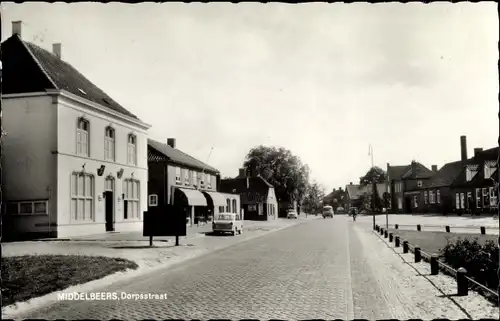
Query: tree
282, 169
374, 174
313, 198
387, 200
376, 200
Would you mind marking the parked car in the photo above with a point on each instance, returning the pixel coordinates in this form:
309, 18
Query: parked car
292, 214
227, 223
328, 211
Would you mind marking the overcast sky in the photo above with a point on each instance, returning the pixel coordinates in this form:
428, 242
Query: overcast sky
323, 80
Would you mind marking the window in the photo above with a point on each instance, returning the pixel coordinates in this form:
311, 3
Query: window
186, 176
193, 177
234, 207
486, 197
202, 179
415, 201
400, 203
471, 172
221, 209
209, 180
493, 197
419, 183
228, 205
489, 169
82, 137
478, 198
132, 150
438, 197
131, 196
462, 200
153, 200
470, 200
431, 197
82, 197
27, 207
425, 197
109, 144
457, 201
178, 175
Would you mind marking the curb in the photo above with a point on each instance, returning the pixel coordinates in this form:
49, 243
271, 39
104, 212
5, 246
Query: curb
13, 310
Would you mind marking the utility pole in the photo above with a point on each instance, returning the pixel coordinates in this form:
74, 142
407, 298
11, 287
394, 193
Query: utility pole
370, 153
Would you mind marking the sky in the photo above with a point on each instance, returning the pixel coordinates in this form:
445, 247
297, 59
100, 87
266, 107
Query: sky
322, 80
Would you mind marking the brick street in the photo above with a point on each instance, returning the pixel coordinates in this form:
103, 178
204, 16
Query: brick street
318, 269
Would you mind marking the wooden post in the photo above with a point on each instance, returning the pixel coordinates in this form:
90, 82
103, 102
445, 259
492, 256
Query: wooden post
419, 228
434, 265
405, 247
177, 240
396, 241
462, 282
150, 241
447, 228
418, 254
391, 236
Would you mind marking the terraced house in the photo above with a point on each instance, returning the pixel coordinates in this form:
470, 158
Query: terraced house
74, 159
178, 178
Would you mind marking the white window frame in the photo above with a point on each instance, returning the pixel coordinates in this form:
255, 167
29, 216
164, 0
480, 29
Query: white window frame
153, 200
489, 168
486, 197
228, 205
479, 198
83, 137
132, 149
194, 177
127, 197
234, 206
76, 197
462, 200
186, 176
426, 197
438, 196
178, 178
493, 197
469, 199
202, 179
208, 177
415, 201
110, 144
457, 201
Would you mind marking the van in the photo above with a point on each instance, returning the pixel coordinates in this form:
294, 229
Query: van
327, 211
227, 223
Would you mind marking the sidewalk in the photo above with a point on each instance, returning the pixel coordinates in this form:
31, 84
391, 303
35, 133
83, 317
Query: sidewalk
161, 255
432, 220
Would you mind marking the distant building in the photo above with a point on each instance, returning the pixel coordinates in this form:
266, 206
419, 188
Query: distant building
355, 192
337, 198
258, 199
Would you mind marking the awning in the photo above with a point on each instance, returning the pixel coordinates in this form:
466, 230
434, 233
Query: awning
217, 198
194, 197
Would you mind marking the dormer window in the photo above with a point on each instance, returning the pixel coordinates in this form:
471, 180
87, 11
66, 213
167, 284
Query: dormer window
489, 168
471, 172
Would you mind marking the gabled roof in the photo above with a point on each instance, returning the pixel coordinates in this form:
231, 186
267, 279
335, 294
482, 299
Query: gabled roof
239, 185
477, 163
178, 157
445, 175
421, 172
30, 68
397, 172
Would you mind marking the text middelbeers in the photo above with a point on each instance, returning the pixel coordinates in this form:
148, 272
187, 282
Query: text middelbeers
96, 296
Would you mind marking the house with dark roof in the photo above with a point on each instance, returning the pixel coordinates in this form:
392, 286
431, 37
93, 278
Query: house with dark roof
355, 195
258, 199
178, 178
337, 198
473, 191
402, 181
74, 159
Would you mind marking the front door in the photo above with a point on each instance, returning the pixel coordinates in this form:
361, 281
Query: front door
109, 202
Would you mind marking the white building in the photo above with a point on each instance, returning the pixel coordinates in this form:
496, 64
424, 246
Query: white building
74, 160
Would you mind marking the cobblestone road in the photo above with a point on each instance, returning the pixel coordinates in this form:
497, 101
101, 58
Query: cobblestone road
318, 269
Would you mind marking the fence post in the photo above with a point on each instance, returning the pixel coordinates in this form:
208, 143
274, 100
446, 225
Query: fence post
396, 226
396, 241
386, 234
418, 255
483, 230
405, 246
462, 282
447, 228
391, 236
434, 265
381, 231
376, 227
419, 228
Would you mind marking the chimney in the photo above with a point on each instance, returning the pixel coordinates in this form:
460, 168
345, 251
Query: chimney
350, 183
414, 169
56, 49
16, 28
477, 151
434, 168
242, 172
463, 148
171, 142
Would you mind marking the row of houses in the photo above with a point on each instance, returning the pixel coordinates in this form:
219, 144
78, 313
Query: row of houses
76, 162
468, 185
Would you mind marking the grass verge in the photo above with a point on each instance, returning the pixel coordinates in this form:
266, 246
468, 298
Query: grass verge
27, 277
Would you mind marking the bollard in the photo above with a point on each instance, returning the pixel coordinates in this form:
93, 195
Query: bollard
418, 254
405, 246
434, 265
447, 228
483, 230
381, 231
376, 228
386, 234
396, 226
391, 237
419, 228
396, 241
462, 282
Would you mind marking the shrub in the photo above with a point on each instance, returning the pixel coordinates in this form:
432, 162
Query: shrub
474, 257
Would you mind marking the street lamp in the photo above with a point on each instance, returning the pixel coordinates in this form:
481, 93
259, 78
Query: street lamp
370, 153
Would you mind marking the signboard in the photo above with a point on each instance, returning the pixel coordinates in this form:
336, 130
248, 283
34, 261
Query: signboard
166, 220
